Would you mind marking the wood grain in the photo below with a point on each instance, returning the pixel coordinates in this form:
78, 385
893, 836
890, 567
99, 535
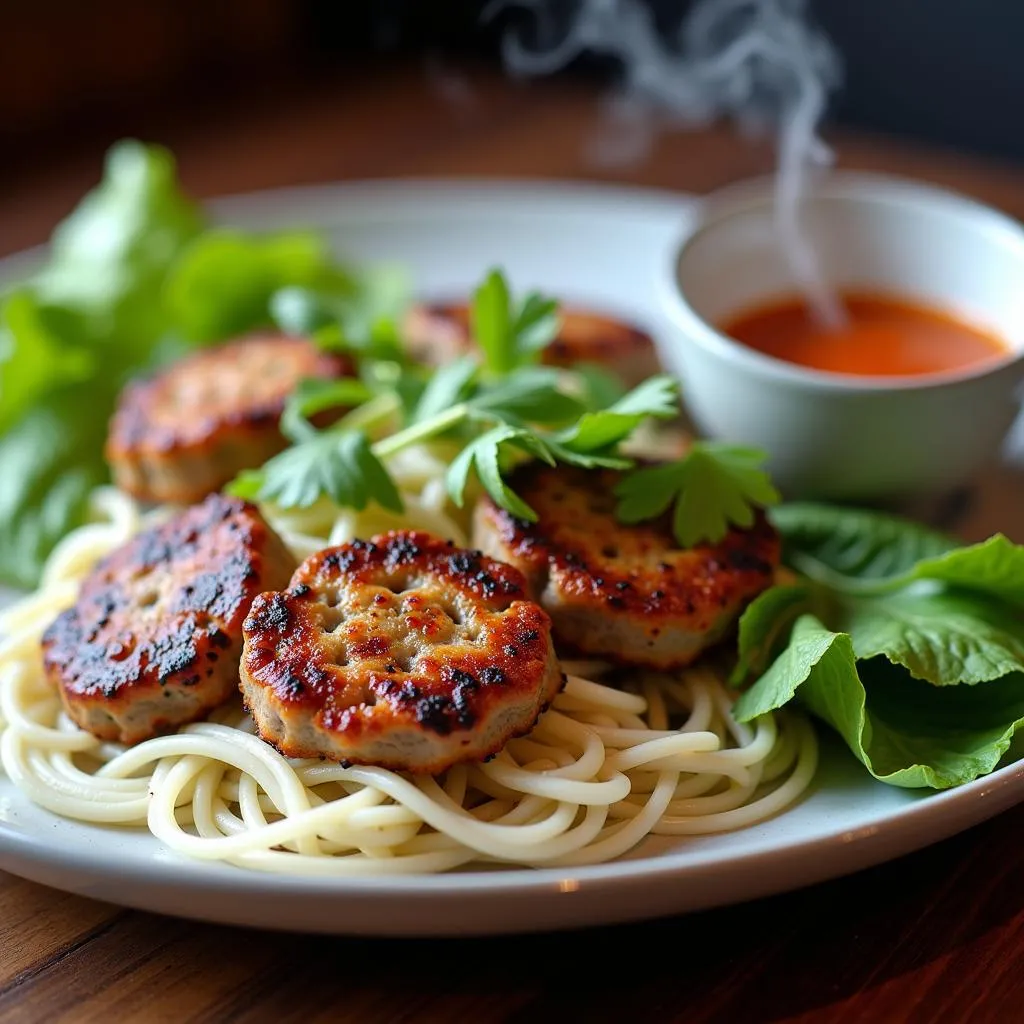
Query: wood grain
937, 936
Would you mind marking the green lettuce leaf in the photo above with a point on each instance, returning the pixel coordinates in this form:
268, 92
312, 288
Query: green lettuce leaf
910, 647
109, 258
906, 732
223, 283
765, 627
826, 541
994, 567
49, 462
131, 278
945, 637
40, 349
73, 332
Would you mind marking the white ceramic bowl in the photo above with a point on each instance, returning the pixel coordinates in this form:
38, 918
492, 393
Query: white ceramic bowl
836, 436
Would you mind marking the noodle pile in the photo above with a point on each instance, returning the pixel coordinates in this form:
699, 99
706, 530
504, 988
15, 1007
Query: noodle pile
606, 766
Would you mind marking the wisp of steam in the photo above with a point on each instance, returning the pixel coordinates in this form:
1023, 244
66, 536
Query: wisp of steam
758, 62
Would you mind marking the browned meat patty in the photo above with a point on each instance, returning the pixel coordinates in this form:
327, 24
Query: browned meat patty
439, 333
189, 430
402, 651
628, 593
154, 639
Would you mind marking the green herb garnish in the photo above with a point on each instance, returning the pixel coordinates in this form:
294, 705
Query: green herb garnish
713, 487
509, 333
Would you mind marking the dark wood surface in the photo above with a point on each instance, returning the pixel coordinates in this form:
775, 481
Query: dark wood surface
936, 936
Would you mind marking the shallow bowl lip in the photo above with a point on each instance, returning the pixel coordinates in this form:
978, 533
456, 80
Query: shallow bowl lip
868, 187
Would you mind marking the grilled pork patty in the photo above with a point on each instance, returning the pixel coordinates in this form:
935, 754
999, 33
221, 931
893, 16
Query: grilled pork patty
190, 429
402, 651
154, 639
627, 593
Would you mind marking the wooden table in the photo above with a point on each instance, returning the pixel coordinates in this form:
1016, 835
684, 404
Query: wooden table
936, 936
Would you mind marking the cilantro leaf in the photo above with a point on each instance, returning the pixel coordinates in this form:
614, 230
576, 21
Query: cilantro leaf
446, 388
530, 393
599, 387
536, 323
484, 454
510, 334
491, 320
356, 312
713, 486
339, 464
315, 395
656, 397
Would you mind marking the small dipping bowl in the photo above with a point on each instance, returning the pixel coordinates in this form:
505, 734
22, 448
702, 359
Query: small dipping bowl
836, 436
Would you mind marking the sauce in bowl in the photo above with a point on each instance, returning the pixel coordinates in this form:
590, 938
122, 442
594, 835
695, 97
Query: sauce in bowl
884, 337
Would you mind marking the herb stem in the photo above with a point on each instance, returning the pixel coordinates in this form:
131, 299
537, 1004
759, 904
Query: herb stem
366, 415
421, 431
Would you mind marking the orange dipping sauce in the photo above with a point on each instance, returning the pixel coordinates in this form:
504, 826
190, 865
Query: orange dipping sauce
885, 337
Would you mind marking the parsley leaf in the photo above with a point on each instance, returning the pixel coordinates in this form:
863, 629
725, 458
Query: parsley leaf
714, 486
484, 454
510, 334
340, 464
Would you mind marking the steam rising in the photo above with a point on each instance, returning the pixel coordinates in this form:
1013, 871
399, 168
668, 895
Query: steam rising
758, 62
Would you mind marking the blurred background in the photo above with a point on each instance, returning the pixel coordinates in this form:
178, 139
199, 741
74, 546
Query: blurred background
257, 93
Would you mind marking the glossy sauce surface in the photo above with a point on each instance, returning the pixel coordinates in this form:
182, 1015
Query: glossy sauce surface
884, 337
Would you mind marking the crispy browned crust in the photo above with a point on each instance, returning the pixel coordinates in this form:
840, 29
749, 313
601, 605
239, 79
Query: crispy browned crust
155, 636
187, 431
402, 651
439, 332
628, 593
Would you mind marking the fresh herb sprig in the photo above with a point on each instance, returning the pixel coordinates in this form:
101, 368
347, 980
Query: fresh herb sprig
490, 422
500, 407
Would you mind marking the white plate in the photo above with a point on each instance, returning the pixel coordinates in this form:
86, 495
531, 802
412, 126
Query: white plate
606, 247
